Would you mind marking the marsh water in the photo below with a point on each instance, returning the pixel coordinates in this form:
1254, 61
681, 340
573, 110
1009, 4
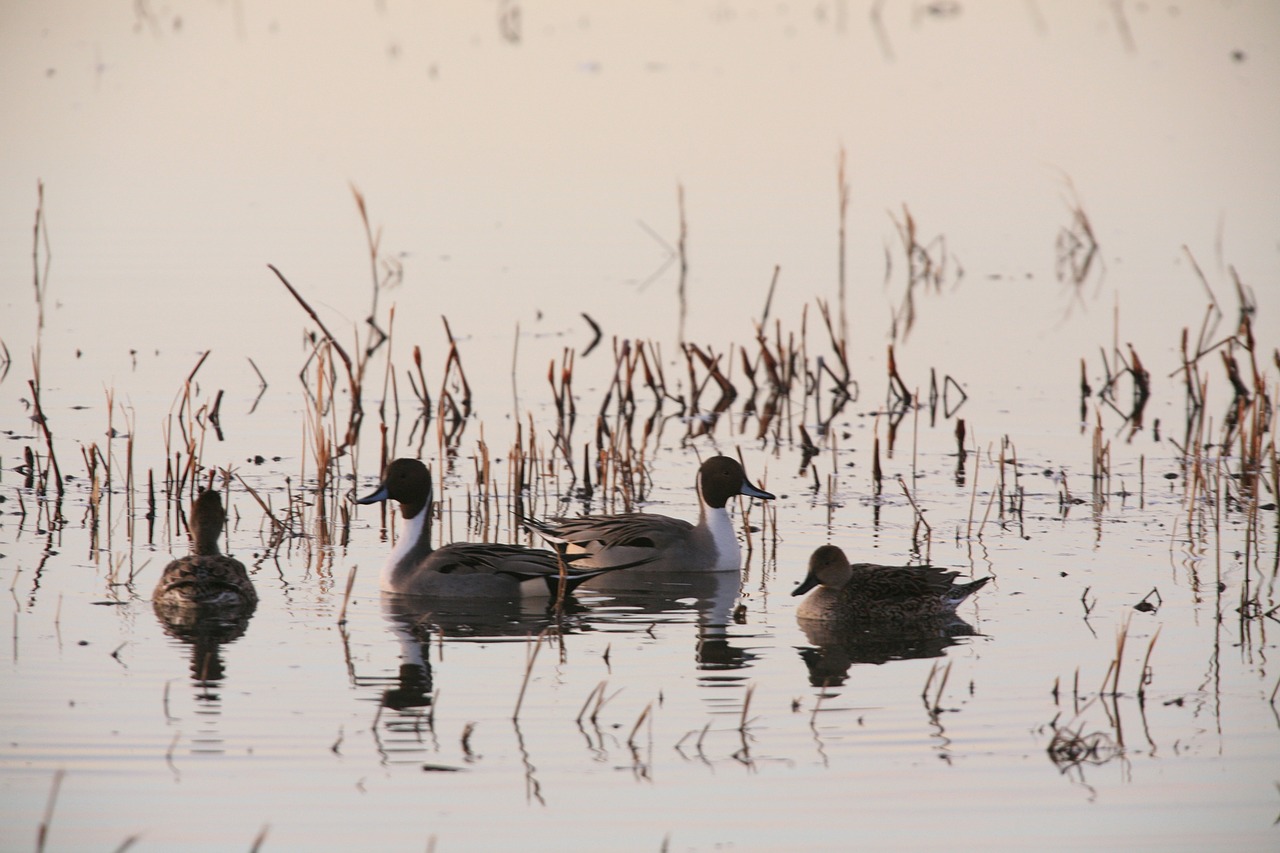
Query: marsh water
904, 234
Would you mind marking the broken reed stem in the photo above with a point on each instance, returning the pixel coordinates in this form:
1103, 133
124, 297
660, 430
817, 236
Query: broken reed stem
684, 263
42, 835
746, 708
598, 690
877, 475
817, 704
260, 838
351, 579
277, 523
353, 381
34, 385
935, 705
973, 494
515, 389
928, 531
631, 739
373, 239
842, 193
933, 670
1144, 678
702, 735
768, 302
992, 496
942, 685
1113, 671
130, 499
601, 701
532, 656
40, 234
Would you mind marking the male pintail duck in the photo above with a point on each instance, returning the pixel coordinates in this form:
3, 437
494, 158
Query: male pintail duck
468, 569
867, 592
665, 544
207, 578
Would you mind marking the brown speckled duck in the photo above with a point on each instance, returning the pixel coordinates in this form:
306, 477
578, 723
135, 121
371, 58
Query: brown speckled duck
867, 592
206, 579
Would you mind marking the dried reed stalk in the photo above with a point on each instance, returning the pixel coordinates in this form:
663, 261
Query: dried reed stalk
681, 247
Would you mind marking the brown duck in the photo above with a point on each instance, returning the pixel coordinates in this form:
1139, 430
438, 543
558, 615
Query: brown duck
867, 592
206, 578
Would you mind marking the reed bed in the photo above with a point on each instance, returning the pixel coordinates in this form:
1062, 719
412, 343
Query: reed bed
793, 390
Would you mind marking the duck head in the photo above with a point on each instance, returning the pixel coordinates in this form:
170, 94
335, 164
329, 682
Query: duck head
407, 481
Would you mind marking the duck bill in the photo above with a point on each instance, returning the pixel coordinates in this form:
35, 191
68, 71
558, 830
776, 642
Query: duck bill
807, 584
753, 492
377, 497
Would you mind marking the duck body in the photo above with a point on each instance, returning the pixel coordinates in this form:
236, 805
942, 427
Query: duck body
647, 543
206, 579
462, 569
840, 591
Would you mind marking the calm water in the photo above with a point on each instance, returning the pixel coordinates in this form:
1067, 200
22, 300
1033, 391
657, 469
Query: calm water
521, 166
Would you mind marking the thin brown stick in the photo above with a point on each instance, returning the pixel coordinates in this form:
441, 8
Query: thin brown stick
353, 382
528, 670
631, 739
351, 580
598, 689
34, 385
842, 192
42, 835
684, 262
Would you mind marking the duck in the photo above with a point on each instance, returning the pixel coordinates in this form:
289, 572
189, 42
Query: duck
660, 543
206, 579
482, 570
870, 593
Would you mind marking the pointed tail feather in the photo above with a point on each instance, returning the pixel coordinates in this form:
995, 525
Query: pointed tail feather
961, 591
545, 529
577, 575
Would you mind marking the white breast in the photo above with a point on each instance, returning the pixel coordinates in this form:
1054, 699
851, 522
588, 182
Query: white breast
410, 532
728, 556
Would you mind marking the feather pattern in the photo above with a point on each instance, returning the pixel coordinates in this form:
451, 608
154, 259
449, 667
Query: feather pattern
206, 577
464, 569
659, 542
866, 591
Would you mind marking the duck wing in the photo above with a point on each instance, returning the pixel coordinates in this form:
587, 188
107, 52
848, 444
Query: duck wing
469, 558
599, 532
206, 578
901, 583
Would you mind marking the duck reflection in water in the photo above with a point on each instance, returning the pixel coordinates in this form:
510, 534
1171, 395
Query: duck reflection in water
838, 646
412, 619
206, 636
205, 599
670, 597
